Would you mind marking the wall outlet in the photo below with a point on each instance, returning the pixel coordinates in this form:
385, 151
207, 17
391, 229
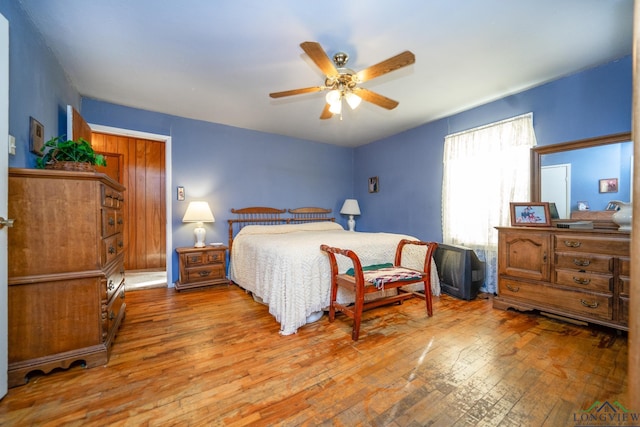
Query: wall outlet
12, 145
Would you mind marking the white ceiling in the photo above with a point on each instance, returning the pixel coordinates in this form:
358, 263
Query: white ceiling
218, 60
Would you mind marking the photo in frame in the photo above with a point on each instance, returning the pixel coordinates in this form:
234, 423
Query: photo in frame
36, 136
583, 205
613, 206
608, 185
373, 184
530, 214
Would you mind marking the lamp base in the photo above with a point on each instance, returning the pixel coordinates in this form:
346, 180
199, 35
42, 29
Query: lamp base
199, 232
351, 223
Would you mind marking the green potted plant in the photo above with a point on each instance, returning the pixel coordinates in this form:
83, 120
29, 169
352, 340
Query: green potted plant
65, 154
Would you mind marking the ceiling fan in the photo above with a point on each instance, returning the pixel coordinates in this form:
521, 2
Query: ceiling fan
342, 83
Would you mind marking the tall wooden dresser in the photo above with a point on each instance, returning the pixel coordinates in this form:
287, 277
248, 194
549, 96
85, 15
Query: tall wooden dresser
66, 270
573, 273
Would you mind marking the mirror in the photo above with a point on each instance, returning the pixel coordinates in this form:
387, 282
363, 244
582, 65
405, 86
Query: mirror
598, 171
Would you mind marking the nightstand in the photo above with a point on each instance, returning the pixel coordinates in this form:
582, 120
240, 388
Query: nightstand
202, 267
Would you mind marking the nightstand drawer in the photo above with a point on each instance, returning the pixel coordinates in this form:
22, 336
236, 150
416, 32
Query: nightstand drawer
206, 273
195, 259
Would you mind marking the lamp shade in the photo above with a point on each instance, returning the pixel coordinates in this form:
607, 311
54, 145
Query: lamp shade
198, 212
353, 100
350, 207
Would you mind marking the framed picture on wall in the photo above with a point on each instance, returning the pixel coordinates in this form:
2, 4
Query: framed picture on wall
373, 184
36, 136
609, 185
530, 214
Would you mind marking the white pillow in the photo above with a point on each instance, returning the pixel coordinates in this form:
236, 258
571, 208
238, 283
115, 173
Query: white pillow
290, 228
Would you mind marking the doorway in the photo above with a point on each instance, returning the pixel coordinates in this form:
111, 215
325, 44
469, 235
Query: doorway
556, 187
140, 164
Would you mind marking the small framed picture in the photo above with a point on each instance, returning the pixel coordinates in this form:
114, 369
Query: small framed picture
36, 136
612, 206
583, 205
530, 214
609, 185
373, 184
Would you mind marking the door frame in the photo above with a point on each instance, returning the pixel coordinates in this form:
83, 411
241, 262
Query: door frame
167, 178
567, 186
4, 204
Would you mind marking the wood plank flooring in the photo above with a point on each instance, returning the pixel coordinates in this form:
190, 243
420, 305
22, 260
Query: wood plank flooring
214, 357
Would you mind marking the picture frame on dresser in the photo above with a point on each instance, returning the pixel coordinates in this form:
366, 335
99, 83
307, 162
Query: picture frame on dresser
530, 214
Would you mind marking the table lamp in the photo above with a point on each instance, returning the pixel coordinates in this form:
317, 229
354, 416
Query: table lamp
198, 212
351, 208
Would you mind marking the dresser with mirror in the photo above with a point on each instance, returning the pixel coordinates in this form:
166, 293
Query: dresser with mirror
579, 275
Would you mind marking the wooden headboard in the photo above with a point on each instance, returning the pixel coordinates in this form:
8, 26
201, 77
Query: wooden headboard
300, 215
260, 215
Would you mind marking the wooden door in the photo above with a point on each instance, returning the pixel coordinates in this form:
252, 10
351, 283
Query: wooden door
143, 175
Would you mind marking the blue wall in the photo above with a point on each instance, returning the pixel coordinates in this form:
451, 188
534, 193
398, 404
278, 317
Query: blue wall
233, 167
38, 86
589, 166
409, 165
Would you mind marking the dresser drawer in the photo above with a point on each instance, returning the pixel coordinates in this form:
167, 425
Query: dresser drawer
205, 273
584, 262
114, 307
587, 304
625, 286
109, 249
111, 198
585, 281
109, 222
624, 311
625, 267
195, 259
115, 277
582, 243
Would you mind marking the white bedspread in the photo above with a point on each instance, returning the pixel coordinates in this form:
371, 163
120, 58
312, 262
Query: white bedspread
284, 266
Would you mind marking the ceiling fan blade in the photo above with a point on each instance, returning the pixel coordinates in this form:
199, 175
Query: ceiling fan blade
375, 98
319, 56
326, 114
401, 60
296, 91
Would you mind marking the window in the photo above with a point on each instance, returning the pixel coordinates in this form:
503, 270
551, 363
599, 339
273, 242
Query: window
484, 169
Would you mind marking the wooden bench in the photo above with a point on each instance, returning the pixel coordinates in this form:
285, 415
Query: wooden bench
363, 281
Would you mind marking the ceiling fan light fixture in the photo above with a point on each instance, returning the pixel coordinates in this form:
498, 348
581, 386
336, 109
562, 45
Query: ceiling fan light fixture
336, 107
333, 97
353, 100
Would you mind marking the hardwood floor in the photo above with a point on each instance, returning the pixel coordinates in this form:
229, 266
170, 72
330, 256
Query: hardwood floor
214, 357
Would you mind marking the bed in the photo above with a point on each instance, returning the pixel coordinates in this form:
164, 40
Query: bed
275, 255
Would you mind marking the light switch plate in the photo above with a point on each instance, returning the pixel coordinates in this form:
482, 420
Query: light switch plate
12, 145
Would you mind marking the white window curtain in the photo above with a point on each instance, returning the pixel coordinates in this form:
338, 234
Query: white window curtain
484, 169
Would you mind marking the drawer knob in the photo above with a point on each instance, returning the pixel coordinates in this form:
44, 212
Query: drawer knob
110, 286
572, 243
204, 273
111, 221
581, 280
513, 288
112, 250
112, 315
590, 304
581, 262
